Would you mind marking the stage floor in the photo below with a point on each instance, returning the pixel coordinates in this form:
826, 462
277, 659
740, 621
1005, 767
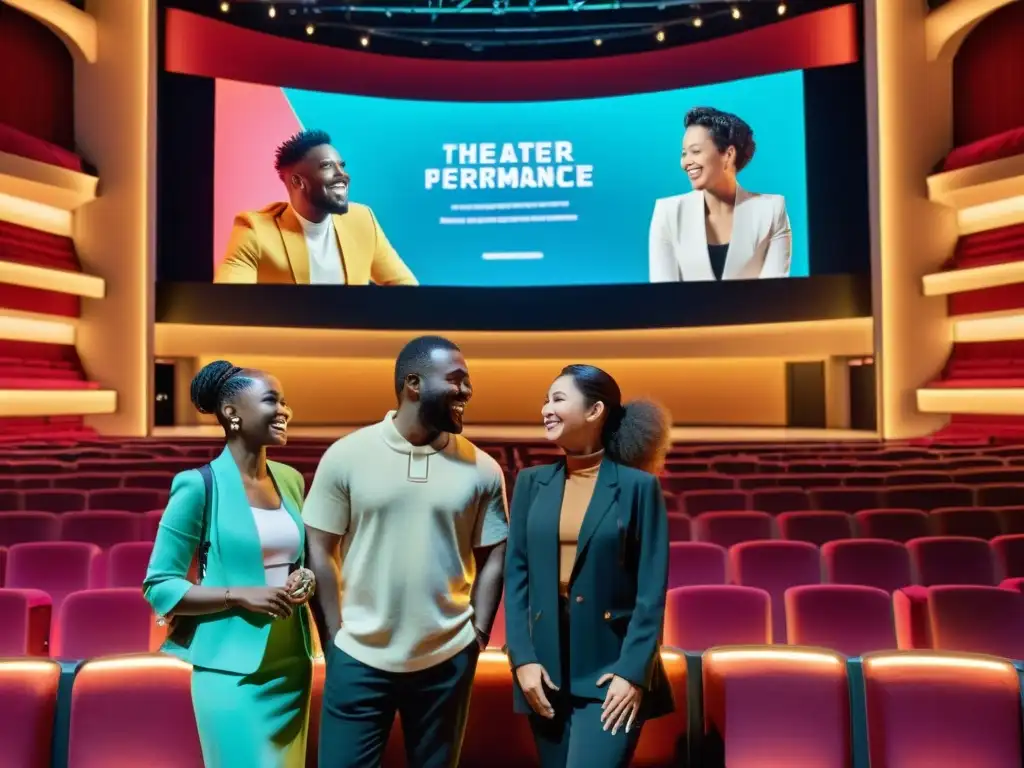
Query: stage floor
529, 433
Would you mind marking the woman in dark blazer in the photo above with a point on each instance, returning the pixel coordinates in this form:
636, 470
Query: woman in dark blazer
586, 575
248, 636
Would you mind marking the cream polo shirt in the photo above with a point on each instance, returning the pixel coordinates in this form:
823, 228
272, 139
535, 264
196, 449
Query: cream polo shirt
410, 517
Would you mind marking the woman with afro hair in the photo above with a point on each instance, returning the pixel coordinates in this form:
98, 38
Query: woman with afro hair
719, 230
585, 575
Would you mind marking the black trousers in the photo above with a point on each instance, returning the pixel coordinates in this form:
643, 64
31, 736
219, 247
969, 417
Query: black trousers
575, 736
360, 704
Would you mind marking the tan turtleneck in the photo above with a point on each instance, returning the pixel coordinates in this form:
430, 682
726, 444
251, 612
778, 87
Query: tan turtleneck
580, 479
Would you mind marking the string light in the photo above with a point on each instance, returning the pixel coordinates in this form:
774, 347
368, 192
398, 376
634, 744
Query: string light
598, 42
364, 41
736, 12
310, 29
781, 9
225, 7
660, 37
698, 22
272, 12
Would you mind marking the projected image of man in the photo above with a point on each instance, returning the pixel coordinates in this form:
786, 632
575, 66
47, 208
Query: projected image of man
718, 231
318, 236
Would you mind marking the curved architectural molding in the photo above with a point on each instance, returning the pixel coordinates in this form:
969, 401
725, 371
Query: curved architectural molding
985, 196
851, 337
947, 26
47, 279
44, 183
968, 400
999, 326
973, 278
41, 329
57, 402
76, 28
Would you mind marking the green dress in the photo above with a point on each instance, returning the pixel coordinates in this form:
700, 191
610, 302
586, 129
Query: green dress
258, 720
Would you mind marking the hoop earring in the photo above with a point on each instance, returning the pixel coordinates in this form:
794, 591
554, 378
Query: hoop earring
236, 424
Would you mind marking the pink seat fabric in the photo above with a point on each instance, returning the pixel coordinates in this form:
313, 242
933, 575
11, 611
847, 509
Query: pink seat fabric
103, 622
900, 525
851, 620
55, 567
729, 528
128, 499
28, 703
953, 560
815, 527
24, 622
867, 562
775, 566
113, 702
127, 563
977, 620
956, 711
701, 617
22, 527
102, 528
692, 563
765, 707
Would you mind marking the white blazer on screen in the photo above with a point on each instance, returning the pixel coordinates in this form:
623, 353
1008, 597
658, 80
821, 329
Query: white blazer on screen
760, 245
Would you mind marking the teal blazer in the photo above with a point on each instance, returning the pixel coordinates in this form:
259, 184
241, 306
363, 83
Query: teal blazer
234, 640
616, 592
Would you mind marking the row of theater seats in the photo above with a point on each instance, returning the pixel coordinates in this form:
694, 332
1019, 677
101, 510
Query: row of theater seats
740, 706
851, 620
691, 495
41, 577
848, 619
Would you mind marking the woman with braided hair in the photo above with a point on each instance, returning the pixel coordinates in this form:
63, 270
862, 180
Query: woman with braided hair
243, 623
585, 575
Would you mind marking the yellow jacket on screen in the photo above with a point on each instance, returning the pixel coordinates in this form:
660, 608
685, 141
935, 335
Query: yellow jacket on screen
268, 246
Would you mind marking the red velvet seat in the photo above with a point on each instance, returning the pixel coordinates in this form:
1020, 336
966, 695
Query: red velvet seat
128, 499
778, 500
28, 703
1011, 519
697, 481
939, 709
53, 500
867, 562
695, 503
775, 566
87, 481
977, 522
977, 620
22, 527
127, 563
150, 522
24, 622
103, 528
56, 567
1003, 495
103, 622
693, 563
845, 499
679, 527
953, 560
698, 618
851, 620
133, 711
815, 527
729, 528
900, 525
776, 707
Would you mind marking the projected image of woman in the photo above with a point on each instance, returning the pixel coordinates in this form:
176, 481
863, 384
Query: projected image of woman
719, 231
